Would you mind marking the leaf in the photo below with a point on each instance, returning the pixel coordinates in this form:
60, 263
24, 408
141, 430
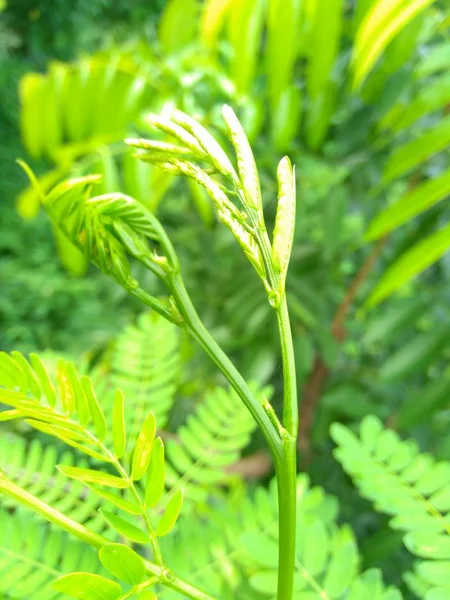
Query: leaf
245, 27
81, 402
283, 233
430, 98
91, 476
32, 380
95, 409
410, 264
65, 389
435, 60
45, 382
423, 403
286, 114
382, 22
125, 528
178, 25
156, 475
390, 321
406, 157
213, 14
28, 201
146, 595
415, 355
118, 426
11, 373
125, 505
31, 93
143, 448
283, 25
123, 563
170, 515
413, 203
86, 586
325, 40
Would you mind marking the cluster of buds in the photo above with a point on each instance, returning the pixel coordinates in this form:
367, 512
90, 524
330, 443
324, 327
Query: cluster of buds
198, 155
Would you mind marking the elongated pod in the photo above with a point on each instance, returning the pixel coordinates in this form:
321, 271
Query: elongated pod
283, 233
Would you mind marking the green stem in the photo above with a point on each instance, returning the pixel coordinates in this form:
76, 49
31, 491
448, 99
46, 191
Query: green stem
286, 468
165, 576
148, 524
290, 405
218, 356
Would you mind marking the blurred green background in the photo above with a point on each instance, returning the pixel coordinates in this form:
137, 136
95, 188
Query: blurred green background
364, 116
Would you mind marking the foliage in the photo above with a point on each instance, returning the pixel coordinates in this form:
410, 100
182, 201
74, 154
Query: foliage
365, 124
410, 486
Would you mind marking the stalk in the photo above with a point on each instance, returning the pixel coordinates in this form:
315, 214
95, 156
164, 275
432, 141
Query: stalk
283, 450
286, 468
218, 356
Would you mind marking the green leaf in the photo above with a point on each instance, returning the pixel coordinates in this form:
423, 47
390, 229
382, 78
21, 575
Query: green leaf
81, 402
286, 115
28, 201
122, 562
86, 586
178, 25
430, 98
118, 425
146, 595
411, 263
283, 25
122, 503
436, 573
33, 384
213, 15
436, 59
65, 389
406, 157
428, 545
245, 27
32, 99
91, 476
325, 41
264, 582
143, 448
380, 25
421, 404
440, 593
125, 528
11, 373
42, 376
415, 355
171, 513
95, 409
394, 319
413, 203
156, 475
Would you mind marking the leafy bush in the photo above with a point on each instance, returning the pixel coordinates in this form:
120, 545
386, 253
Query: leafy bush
365, 123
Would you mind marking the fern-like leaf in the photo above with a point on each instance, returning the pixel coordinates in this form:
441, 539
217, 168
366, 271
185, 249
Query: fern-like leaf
145, 364
34, 554
211, 439
33, 467
71, 412
410, 486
